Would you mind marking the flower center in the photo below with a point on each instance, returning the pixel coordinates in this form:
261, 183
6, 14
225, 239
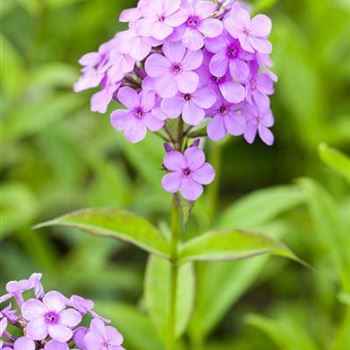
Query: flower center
139, 113
187, 97
161, 18
52, 317
193, 22
187, 172
175, 68
223, 109
232, 51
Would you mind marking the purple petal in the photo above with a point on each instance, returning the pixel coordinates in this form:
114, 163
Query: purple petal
70, 317
233, 27
240, 15
88, 80
266, 135
161, 30
261, 45
172, 107
166, 86
156, 65
152, 123
191, 190
261, 26
193, 39
172, 182
262, 101
90, 59
175, 52
233, 92
177, 18
195, 158
135, 131
218, 65
33, 309
98, 327
235, 124
140, 48
204, 9
250, 132
148, 100
216, 128
128, 97
55, 345
115, 338
60, 333
192, 60
170, 7
204, 175
175, 161
265, 84
100, 101
24, 343
119, 119
130, 15
187, 82
192, 114
37, 329
204, 97
244, 40
211, 28
239, 70
216, 45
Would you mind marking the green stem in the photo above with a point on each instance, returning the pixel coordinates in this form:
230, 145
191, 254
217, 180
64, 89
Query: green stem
175, 236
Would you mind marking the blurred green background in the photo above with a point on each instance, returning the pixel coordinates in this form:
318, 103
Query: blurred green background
57, 156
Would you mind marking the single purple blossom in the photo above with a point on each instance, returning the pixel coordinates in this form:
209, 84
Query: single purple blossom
200, 23
95, 64
100, 337
227, 119
251, 33
191, 106
228, 54
173, 72
258, 88
188, 173
50, 317
138, 117
160, 17
259, 123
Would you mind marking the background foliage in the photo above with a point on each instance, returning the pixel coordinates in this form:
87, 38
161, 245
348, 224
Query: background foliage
57, 156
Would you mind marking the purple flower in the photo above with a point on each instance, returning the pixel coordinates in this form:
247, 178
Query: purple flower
191, 106
138, 117
101, 337
227, 119
257, 89
160, 17
95, 64
81, 304
199, 23
24, 343
259, 123
228, 54
173, 72
188, 173
50, 317
251, 34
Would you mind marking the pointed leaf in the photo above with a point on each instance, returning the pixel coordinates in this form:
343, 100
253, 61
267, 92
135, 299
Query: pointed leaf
117, 224
232, 245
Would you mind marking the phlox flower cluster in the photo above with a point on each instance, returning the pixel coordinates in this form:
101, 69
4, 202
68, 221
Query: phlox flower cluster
50, 321
203, 63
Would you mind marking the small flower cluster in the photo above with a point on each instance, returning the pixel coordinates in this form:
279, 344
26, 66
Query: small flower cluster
200, 62
50, 321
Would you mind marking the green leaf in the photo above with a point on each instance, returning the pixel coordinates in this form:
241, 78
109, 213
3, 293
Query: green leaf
330, 227
137, 330
335, 159
261, 206
286, 333
158, 290
116, 224
224, 245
